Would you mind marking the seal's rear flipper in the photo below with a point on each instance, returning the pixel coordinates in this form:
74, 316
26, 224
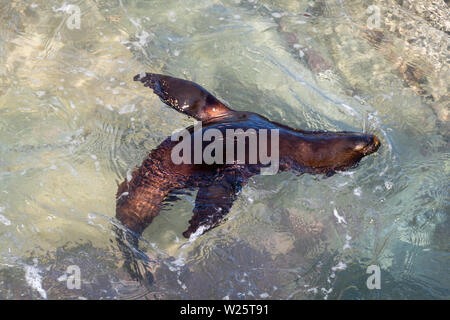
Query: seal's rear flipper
184, 96
136, 262
211, 205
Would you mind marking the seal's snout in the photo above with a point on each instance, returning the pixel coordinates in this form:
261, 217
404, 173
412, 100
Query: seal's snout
368, 144
376, 143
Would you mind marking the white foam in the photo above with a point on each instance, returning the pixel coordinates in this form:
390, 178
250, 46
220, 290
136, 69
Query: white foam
326, 292
183, 286
64, 8
340, 219
198, 233
142, 38
128, 108
340, 266
347, 242
313, 290
129, 175
34, 280
3, 219
179, 262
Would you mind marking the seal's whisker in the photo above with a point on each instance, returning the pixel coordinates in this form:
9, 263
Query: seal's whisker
364, 125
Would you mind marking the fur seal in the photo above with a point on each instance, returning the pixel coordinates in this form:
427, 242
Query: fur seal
140, 199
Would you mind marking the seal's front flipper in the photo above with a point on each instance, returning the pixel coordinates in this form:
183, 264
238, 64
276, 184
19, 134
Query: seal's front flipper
211, 205
184, 96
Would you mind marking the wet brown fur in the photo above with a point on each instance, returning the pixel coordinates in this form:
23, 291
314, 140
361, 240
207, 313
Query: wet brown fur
140, 199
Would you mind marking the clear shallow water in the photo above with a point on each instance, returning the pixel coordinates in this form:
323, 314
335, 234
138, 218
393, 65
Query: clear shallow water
73, 125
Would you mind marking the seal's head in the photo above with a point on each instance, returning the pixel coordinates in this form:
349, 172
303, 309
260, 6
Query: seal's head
328, 152
370, 144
